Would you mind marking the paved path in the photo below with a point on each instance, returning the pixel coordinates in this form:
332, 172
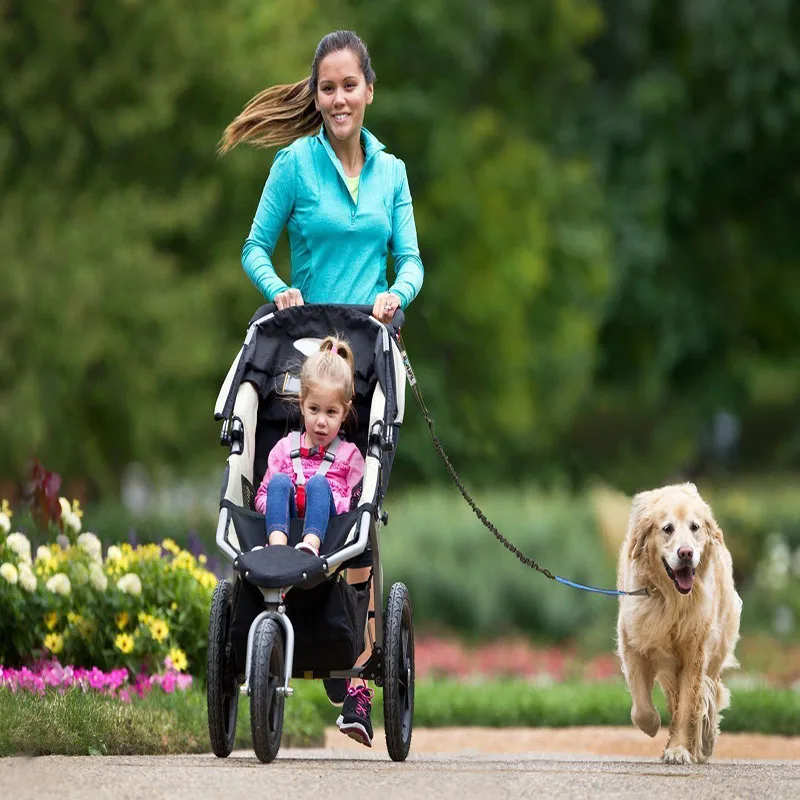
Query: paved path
341, 771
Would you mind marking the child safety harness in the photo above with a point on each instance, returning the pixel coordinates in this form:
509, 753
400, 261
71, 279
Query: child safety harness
297, 454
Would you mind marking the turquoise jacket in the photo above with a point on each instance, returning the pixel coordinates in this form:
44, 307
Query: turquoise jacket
338, 247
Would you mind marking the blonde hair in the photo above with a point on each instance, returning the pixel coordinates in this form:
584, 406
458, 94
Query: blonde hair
333, 364
279, 115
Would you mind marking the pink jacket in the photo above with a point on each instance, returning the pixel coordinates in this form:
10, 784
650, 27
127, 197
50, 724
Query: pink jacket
343, 476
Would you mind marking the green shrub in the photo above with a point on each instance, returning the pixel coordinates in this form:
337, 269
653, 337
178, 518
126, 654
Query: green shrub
132, 608
461, 578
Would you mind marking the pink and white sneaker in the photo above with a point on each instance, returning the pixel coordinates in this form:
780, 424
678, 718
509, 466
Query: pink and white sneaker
355, 717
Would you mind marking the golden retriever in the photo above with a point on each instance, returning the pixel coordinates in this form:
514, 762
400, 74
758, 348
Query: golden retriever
683, 633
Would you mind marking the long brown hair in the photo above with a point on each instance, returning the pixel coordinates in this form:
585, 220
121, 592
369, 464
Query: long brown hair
278, 115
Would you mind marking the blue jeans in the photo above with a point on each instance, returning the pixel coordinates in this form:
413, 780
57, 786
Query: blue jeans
280, 505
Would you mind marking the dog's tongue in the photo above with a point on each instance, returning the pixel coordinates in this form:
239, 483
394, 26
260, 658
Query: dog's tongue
684, 578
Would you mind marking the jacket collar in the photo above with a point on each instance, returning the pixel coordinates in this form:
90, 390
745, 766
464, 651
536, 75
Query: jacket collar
368, 140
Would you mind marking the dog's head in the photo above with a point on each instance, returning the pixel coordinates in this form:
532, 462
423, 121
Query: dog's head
670, 531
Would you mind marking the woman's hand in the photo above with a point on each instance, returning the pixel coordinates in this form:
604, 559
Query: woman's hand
288, 298
385, 305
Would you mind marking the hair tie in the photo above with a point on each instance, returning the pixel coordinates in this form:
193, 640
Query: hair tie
334, 351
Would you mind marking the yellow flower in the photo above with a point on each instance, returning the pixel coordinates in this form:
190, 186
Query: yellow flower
145, 618
76, 509
202, 558
124, 643
159, 629
178, 659
50, 619
171, 546
54, 642
74, 619
122, 620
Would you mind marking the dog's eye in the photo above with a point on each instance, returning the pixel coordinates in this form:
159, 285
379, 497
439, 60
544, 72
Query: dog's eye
694, 527
668, 528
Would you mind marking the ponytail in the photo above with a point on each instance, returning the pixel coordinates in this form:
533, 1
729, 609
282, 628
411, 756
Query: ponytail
334, 364
274, 118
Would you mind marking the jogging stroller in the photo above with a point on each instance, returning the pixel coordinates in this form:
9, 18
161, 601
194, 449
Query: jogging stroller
286, 613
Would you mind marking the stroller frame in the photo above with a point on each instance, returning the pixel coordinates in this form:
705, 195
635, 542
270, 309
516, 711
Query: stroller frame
237, 408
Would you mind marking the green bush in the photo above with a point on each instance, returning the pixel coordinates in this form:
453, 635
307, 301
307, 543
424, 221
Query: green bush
133, 608
762, 530
461, 578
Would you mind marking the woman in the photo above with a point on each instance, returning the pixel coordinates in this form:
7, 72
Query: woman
347, 204
345, 200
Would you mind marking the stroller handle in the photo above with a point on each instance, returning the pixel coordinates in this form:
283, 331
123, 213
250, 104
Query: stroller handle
398, 320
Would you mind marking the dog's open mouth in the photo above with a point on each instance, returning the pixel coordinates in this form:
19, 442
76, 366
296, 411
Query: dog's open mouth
683, 578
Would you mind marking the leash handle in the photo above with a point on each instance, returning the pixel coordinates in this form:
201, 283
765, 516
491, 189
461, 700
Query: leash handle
525, 560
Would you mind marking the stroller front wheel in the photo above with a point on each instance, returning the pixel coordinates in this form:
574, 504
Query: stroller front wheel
266, 677
398, 685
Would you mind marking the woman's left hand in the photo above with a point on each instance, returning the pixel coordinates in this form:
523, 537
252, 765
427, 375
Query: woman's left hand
385, 305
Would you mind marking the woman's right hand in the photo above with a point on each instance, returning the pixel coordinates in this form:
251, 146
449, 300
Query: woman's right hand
288, 298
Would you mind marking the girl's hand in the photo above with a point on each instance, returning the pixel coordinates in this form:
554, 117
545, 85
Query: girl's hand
385, 305
288, 298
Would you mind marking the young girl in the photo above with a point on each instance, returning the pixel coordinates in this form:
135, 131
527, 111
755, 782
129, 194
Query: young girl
313, 474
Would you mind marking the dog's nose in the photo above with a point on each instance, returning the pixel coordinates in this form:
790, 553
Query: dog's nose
685, 553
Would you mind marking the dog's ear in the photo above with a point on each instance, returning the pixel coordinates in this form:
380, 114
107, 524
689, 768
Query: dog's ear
714, 530
639, 524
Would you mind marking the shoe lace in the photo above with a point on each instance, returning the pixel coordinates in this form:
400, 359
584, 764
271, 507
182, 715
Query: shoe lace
363, 697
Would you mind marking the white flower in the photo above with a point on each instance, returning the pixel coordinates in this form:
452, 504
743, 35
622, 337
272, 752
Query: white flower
130, 583
68, 516
97, 577
114, 553
90, 544
5, 522
19, 543
9, 572
43, 553
59, 584
27, 580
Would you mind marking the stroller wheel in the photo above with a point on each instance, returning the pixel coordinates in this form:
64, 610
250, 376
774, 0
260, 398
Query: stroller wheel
266, 676
398, 683
222, 689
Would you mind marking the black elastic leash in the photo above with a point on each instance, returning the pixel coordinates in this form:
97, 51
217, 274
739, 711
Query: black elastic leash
526, 560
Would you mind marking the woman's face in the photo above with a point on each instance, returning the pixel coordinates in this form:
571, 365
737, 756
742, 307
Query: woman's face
342, 95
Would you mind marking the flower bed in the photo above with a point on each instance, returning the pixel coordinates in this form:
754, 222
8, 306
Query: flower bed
130, 609
445, 657
51, 676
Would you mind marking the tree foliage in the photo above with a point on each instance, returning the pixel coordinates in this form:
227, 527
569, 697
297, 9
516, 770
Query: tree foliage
604, 191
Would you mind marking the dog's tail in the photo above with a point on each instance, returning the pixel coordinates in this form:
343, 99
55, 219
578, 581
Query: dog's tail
716, 698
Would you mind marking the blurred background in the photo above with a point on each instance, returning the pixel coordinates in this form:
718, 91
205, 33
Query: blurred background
606, 194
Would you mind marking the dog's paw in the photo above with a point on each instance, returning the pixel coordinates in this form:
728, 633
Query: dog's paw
677, 755
647, 720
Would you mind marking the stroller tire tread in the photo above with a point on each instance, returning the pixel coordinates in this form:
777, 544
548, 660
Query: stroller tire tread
266, 703
221, 693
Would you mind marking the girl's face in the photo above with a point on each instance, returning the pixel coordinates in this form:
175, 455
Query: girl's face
323, 414
342, 95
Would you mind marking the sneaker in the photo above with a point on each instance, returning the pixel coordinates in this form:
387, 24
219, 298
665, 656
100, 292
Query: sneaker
307, 548
354, 719
336, 689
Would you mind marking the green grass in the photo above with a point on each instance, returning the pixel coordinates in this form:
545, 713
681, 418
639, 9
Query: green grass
78, 724
89, 724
